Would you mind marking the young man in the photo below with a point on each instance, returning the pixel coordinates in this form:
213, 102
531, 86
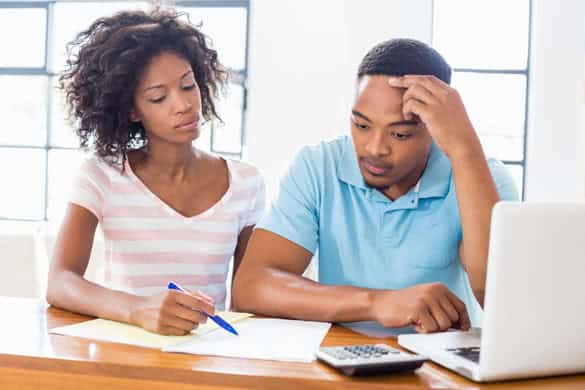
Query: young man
399, 213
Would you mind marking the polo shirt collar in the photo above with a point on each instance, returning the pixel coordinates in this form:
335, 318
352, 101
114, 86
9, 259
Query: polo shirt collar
436, 178
347, 166
433, 183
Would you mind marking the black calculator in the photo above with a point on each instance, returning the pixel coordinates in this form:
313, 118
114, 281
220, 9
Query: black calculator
369, 359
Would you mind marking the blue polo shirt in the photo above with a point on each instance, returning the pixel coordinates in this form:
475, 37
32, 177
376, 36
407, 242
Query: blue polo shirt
365, 239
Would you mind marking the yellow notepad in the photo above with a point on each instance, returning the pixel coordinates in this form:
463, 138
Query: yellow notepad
117, 332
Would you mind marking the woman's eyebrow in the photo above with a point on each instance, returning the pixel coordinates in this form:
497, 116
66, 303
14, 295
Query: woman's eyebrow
162, 85
186, 74
153, 87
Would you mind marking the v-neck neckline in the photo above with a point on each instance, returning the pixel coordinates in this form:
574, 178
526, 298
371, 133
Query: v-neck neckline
170, 210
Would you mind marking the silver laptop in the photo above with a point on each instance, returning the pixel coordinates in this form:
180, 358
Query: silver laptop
534, 312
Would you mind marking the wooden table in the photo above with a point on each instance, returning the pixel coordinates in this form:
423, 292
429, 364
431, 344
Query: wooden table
31, 358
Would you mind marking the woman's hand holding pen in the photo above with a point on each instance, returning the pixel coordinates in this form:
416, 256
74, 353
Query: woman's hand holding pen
172, 312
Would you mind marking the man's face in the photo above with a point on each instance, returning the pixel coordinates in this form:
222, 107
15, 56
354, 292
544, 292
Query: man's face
391, 151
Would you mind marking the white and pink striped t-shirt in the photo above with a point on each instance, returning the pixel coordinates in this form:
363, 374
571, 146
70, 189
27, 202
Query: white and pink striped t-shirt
148, 244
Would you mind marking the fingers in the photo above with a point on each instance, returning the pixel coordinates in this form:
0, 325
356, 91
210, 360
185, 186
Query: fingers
438, 309
421, 93
194, 301
449, 302
450, 311
172, 331
172, 320
193, 316
172, 312
206, 297
413, 107
180, 313
431, 83
427, 89
426, 323
429, 307
441, 318
201, 295
464, 321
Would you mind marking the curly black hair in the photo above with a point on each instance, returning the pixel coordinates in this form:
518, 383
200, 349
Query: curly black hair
397, 57
104, 66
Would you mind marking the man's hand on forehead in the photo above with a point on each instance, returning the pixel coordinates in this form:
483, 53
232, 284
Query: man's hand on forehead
440, 108
425, 89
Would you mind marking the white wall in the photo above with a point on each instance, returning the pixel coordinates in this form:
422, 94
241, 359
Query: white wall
298, 59
370, 22
303, 59
556, 125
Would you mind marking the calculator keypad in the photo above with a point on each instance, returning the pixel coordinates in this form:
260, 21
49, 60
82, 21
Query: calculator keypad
361, 351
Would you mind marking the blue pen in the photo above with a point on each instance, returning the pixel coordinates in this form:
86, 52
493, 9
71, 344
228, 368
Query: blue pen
217, 319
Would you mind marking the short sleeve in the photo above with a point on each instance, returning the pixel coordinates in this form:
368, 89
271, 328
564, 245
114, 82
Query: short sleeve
257, 203
294, 213
89, 187
505, 184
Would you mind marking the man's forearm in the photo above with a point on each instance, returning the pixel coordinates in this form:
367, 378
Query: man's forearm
476, 197
277, 293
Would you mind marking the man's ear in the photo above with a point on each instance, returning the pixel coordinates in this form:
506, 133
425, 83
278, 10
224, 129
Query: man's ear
134, 116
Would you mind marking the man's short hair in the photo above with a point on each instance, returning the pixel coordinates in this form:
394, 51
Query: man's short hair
398, 57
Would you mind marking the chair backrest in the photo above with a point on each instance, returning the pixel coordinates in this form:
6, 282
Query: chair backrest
17, 262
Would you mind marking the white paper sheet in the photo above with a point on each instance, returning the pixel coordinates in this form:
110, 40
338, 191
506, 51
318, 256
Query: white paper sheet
261, 338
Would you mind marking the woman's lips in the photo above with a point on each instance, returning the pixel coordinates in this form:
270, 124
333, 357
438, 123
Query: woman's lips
189, 126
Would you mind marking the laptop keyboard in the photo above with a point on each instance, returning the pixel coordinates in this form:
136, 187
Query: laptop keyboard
469, 353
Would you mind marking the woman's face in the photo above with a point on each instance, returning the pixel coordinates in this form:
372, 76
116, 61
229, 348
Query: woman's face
167, 100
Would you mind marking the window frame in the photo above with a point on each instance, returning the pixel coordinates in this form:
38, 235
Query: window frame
503, 71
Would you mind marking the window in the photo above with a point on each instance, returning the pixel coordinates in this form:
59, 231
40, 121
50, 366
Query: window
487, 44
38, 149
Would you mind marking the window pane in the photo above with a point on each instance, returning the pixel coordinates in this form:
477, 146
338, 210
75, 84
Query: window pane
482, 34
495, 104
226, 26
517, 172
22, 37
62, 133
227, 137
63, 167
73, 17
23, 108
23, 183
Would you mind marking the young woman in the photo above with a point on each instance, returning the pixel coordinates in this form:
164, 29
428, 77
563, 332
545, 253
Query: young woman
140, 85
